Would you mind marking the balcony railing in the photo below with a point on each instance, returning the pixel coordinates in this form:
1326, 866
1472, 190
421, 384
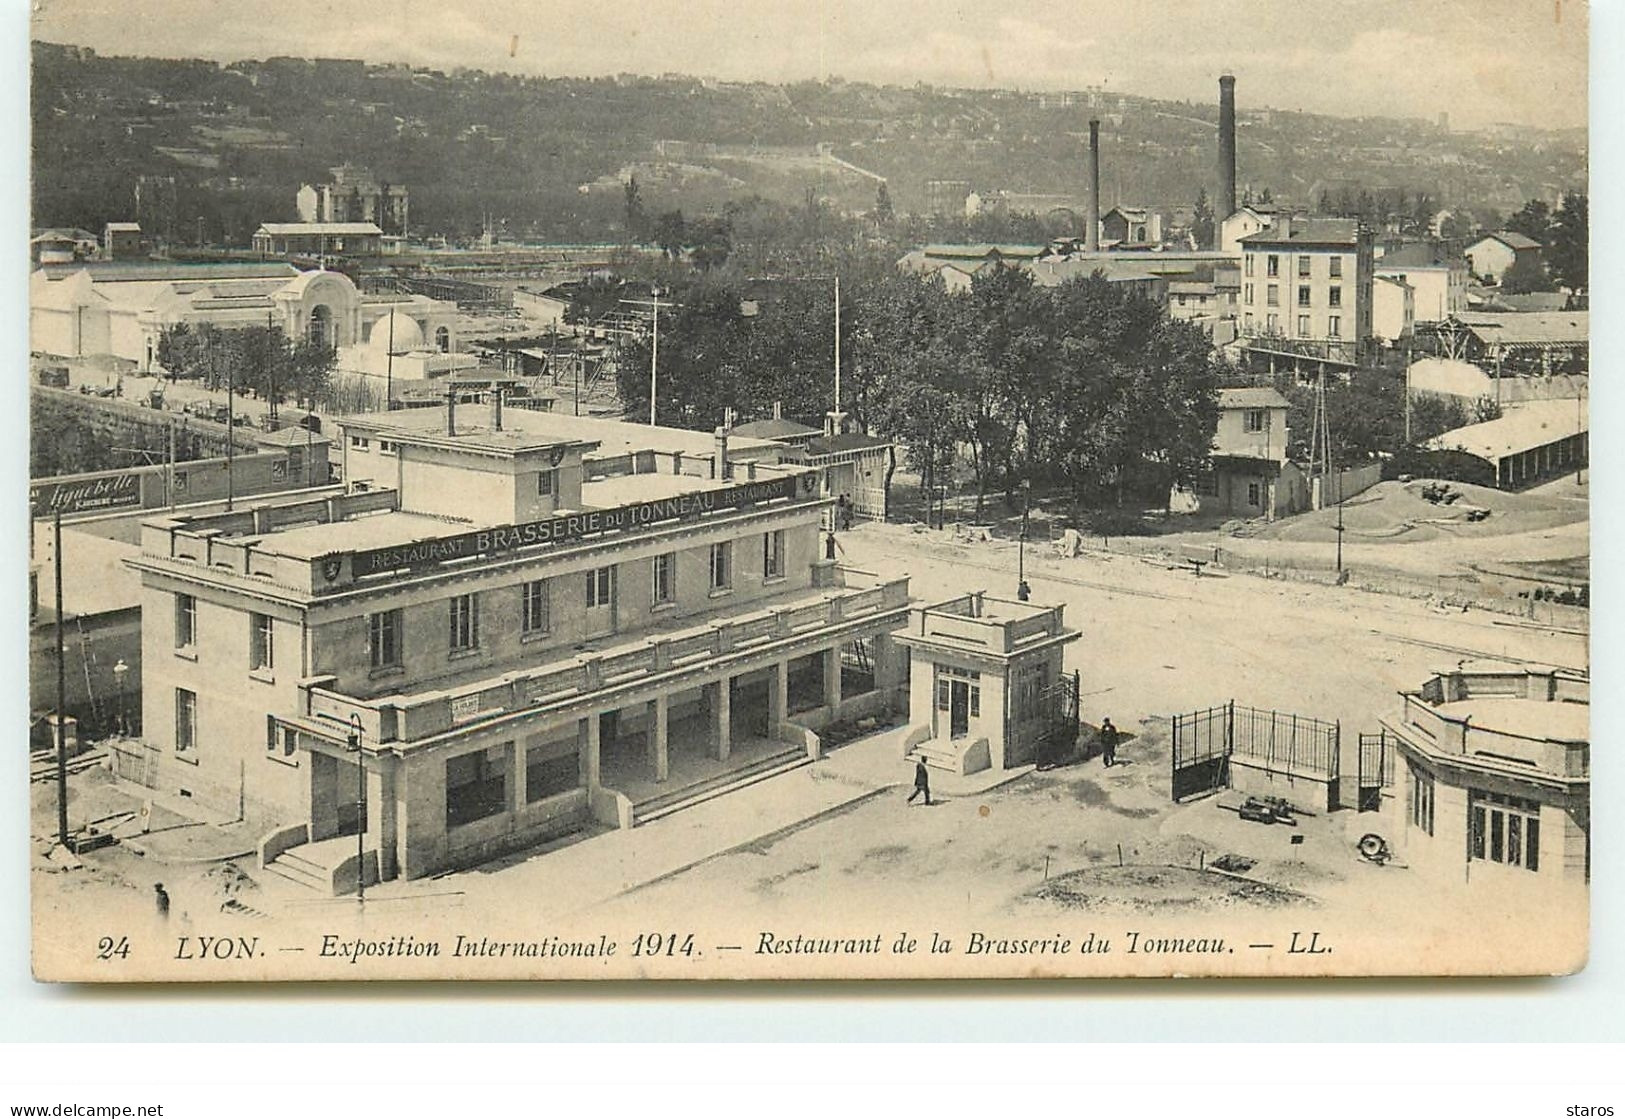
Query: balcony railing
410, 718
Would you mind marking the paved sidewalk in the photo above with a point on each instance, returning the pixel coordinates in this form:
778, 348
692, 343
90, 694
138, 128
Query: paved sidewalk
568, 879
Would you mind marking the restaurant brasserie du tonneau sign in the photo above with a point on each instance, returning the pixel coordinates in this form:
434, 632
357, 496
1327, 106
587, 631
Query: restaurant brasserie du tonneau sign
556, 530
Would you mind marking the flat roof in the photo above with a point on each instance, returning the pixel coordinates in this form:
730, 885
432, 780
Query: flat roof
1526, 718
625, 489
355, 534
522, 429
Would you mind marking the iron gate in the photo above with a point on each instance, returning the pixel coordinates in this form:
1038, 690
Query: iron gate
1206, 743
1201, 750
1376, 770
1057, 730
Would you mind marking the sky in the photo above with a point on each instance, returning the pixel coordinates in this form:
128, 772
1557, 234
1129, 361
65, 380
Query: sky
1481, 61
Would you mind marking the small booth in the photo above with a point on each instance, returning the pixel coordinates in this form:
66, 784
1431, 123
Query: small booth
988, 687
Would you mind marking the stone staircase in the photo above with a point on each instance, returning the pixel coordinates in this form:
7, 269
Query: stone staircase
316, 866
959, 756
654, 808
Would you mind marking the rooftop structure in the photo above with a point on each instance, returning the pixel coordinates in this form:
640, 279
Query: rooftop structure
1498, 765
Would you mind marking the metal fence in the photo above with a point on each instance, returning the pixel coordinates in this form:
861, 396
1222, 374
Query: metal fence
1206, 742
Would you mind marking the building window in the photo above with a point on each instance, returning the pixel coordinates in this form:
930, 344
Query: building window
185, 621
1303, 296
547, 483
384, 639
1253, 494
1334, 295
360, 442
388, 447
1272, 323
1254, 419
665, 578
1249, 297
1272, 295
773, 555
1337, 267
1334, 326
1247, 322
536, 614
476, 785
600, 585
1273, 266
1421, 797
261, 642
465, 623
1303, 266
1503, 829
1249, 260
1303, 326
721, 566
185, 720
442, 339
549, 776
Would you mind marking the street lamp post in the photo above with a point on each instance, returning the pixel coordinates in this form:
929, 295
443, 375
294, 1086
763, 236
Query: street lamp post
1023, 591
120, 670
355, 736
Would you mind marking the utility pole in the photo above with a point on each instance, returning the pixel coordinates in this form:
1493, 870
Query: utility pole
356, 734
654, 358
837, 345
61, 700
231, 433
389, 367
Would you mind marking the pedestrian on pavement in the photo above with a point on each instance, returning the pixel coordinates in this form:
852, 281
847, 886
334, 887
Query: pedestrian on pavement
161, 897
1108, 742
829, 546
922, 782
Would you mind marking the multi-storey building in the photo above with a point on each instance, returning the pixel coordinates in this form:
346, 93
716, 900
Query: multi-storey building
514, 625
1306, 290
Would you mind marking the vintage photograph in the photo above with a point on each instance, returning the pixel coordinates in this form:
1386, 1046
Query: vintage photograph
808, 490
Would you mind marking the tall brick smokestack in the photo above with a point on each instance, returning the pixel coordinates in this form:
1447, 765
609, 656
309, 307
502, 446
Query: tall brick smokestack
1227, 147
1091, 231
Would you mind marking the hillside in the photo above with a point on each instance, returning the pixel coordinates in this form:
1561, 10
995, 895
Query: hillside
218, 149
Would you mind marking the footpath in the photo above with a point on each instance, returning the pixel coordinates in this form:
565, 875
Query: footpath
559, 880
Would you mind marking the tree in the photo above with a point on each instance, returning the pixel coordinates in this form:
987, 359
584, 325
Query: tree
710, 241
1533, 221
670, 233
1202, 223
884, 214
636, 220
1568, 255
1526, 274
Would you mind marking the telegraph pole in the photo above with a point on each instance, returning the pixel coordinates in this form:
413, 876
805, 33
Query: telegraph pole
654, 357
61, 701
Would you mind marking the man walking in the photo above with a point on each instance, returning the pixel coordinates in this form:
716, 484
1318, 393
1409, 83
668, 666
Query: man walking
1108, 742
922, 782
160, 897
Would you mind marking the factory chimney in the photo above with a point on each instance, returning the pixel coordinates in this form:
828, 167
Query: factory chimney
1091, 231
496, 407
1227, 147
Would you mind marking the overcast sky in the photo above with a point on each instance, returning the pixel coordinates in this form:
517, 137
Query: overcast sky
1478, 60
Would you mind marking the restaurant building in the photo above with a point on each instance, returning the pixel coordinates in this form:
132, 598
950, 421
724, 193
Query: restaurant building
516, 625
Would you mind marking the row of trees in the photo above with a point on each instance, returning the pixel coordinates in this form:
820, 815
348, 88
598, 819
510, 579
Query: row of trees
1087, 385
261, 360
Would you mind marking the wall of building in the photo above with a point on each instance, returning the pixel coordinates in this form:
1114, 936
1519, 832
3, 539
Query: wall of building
1320, 312
340, 636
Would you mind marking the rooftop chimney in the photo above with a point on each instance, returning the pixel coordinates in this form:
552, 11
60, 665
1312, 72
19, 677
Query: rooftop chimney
451, 411
496, 407
722, 470
1091, 231
1227, 147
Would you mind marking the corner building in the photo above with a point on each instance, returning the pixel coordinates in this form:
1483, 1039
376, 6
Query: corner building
516, 625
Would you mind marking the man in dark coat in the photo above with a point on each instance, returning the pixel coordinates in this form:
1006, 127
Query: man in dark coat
1108, 742
160, 896
922, 782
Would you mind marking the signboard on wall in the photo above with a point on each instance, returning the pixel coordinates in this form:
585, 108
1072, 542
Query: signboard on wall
85, 495
557, 530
